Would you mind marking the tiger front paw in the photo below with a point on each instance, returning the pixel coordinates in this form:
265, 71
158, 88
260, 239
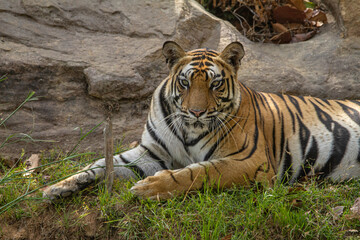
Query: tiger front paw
53, 192
159, 187
59, 190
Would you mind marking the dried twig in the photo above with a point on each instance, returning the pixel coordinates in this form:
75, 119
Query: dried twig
109, 150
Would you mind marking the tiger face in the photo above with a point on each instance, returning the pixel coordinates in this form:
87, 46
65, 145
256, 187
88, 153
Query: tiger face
202, 84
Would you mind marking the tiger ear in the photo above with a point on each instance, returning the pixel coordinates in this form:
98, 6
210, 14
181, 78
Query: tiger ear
232, 54
172, 52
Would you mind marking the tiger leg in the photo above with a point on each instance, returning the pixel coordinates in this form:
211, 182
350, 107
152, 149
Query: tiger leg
135, 163
215, 173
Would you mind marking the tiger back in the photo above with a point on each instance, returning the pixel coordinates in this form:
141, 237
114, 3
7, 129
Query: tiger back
206, 127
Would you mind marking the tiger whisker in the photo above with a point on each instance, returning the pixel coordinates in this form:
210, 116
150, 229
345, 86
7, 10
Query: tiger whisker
229, 130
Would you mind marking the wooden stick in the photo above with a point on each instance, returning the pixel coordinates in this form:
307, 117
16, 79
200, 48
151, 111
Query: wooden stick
109, 151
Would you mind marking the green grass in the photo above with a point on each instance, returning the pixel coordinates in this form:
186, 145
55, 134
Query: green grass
282, 212
304, 211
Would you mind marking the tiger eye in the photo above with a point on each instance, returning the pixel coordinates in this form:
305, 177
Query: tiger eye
216, 84
184, 83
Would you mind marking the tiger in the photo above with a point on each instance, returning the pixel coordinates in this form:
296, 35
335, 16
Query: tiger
206, 128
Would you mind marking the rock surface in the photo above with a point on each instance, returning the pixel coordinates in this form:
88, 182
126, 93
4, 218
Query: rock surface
81, 55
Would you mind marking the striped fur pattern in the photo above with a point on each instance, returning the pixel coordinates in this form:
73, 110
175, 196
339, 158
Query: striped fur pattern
205, 127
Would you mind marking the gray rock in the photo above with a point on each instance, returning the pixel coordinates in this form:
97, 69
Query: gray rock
83, 56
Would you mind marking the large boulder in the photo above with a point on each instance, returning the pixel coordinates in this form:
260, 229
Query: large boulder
83, 57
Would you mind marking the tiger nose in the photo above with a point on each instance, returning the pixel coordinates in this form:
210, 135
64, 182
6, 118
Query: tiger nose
197, 112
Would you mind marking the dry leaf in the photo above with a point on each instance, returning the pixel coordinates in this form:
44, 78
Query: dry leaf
286, 14
46, 177
31, 163
355, 209
300, 37
296, 203
279, 28
318, 24
280, 38
293, 26
318, 16
296, 189
133, 144
338, 211
227, 237
308, 13
299, 4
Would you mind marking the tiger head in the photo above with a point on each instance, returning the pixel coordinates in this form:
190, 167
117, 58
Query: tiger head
202, 84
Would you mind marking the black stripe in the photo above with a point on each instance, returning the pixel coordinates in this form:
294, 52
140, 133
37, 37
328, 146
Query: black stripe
243, 147
172, 176
295, 102
290, 111
228, 87
209, 58
352, 113
274, 137
193, 142
287, 166
304, 135
325, 101
274, 125
92, 171
302, 99
213, 52
232, 87
318, 101
224, 99
213, 164
255, 99
309, 159
156, 138
191, 174
261, 98
154, 156
323, 117
256, 135
196, 58
355, 102
341, 137
136, 169
212, 149
216, 132
166, 110
276, 106
282, 138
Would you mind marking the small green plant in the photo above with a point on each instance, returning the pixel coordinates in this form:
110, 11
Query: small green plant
3, 78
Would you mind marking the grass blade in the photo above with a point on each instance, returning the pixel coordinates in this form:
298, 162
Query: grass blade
29, 98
